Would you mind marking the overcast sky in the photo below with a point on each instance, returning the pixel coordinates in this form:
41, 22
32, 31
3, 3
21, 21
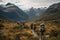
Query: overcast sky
25, 4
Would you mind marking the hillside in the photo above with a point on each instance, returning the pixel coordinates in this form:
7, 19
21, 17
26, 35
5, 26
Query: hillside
53, 12
13, 13
51, 19
10, 30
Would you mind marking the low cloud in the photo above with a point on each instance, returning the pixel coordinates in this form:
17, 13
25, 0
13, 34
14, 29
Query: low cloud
32, 3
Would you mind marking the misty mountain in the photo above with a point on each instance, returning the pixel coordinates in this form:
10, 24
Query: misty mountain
13, 13
53, 12
34, 13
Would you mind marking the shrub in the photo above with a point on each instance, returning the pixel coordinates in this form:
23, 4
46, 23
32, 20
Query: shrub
1, 26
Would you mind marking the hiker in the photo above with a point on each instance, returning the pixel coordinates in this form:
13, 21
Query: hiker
42, 29
33, 26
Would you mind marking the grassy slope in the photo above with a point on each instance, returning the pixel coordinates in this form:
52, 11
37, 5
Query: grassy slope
11, 30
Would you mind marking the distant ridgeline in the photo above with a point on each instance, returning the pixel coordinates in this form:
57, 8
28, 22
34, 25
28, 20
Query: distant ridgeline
13, 13
53, 12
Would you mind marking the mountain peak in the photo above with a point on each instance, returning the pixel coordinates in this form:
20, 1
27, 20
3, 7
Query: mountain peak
53, 12
13, 13
9, 4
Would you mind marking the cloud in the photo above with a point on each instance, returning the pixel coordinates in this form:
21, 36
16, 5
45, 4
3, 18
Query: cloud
1, 1
44, 0
32, 3
38, 3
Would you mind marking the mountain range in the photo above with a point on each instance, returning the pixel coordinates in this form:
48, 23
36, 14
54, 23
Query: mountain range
11, 12
52, 12
35, 13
